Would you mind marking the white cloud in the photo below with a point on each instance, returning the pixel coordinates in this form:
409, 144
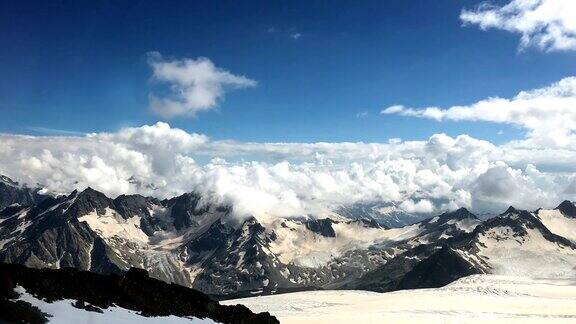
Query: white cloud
295, 36
501, 185
159, 143
547, 24
549, 113
196, 85
422, 206
54, 131
287, 179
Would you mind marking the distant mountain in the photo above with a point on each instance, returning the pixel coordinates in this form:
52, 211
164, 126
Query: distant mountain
11, 192
188, 241
516, 242
386, 214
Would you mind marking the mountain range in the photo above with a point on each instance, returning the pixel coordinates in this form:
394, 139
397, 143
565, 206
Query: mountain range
191, 242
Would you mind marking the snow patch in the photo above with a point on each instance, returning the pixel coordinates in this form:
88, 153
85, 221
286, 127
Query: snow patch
62, 311
112, 224
297, 244
558, 224
530, 255
494, 299
467, 224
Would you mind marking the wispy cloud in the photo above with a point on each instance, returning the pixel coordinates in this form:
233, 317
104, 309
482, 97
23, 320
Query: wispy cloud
361, 114
196, 85
295, 36
54, 131
290, 33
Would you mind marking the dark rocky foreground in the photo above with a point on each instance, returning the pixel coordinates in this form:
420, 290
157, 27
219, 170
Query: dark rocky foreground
93, 292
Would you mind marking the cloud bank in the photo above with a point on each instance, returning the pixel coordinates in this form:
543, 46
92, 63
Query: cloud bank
195, 85
295, 179
546, 24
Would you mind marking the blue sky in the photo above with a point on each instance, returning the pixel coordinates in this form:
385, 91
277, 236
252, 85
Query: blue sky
83, 66
262, 74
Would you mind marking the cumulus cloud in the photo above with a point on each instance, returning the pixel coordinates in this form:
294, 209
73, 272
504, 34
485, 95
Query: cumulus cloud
427, 176
547, 24
195, 85
159, 143
548, 113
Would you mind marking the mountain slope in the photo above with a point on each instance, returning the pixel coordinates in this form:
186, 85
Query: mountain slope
514, 243
13, 193
561, 220
97, 293
518, 243
90, 231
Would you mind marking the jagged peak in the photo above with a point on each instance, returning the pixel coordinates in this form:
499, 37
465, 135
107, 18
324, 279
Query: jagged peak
567, 208
72, 195
136, 198
91, 193
89, 190
189, 195
6, 180
463, 210
185, 197
130, 196
515, 213
134, 205
87, 201
366, 222
321, 226
250, 228
250, 221
511, 210
460, 213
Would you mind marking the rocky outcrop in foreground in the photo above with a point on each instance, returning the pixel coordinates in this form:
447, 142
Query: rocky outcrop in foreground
94, 292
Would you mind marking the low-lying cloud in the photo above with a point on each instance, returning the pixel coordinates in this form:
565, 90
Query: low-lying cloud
440, 173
